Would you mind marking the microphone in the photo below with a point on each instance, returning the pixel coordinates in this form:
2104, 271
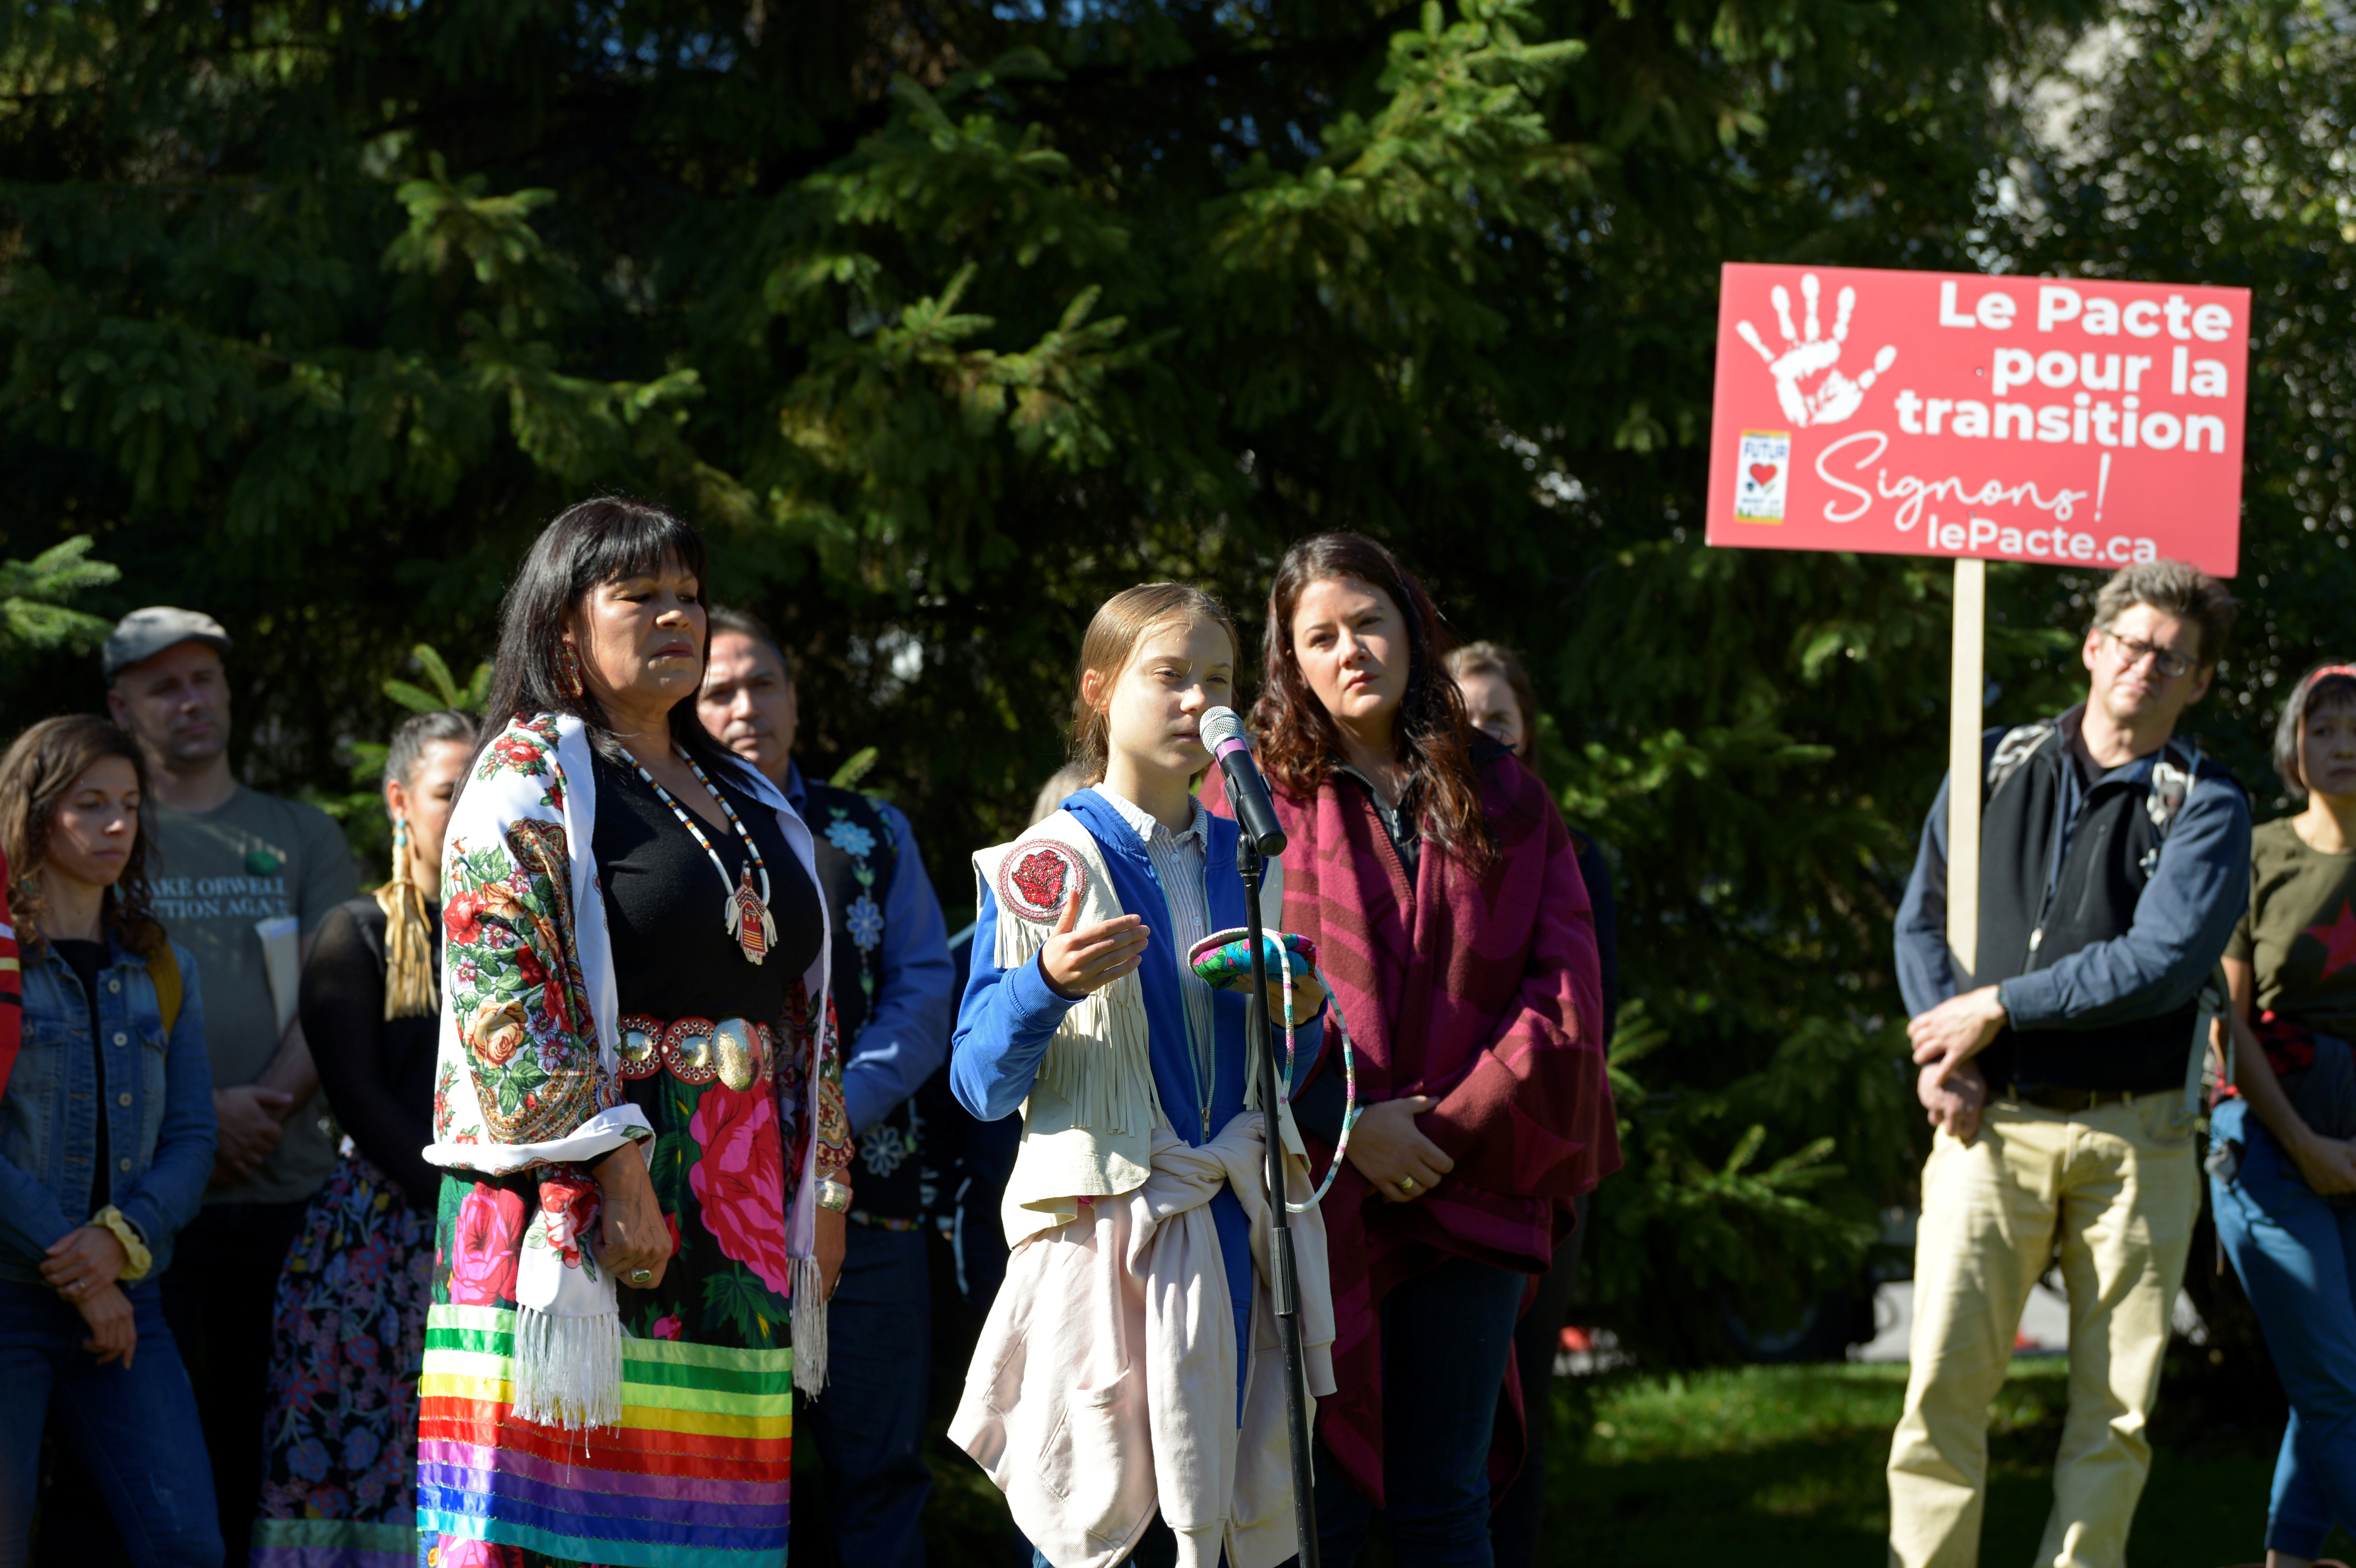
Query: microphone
1247, 791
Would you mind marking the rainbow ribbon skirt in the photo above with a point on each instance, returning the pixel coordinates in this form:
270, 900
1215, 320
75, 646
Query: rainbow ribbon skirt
696, 1476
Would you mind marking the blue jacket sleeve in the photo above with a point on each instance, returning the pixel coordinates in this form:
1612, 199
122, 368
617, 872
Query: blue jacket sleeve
1003, 1027
2182, 922
1926, 972
30, 1220
168, 1196
905, 1038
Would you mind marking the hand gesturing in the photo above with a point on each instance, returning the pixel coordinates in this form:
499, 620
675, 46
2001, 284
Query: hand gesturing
1076, 962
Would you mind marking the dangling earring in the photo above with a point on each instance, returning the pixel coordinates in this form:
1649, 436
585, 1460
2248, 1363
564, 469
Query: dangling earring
408, 938
568, 668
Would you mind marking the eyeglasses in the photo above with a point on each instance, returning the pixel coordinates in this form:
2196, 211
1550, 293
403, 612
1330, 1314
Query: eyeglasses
2133, 651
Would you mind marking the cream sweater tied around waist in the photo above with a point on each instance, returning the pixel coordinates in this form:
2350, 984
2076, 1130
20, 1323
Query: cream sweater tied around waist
1104, 1386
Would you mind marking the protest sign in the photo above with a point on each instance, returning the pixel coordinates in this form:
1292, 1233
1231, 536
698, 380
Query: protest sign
2071, 421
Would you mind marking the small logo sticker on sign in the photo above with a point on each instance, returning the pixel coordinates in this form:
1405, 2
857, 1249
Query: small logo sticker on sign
1763, 472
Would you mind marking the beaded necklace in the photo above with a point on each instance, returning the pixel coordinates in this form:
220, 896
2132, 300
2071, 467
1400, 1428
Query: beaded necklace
745, 915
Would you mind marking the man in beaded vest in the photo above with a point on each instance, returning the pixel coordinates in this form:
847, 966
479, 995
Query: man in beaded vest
894, 999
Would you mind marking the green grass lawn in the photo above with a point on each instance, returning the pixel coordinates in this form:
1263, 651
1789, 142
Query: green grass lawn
1774, 1466
1770, 1467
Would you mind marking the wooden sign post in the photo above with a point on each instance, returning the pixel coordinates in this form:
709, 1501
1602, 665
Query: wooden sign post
1968, 683
2065, 421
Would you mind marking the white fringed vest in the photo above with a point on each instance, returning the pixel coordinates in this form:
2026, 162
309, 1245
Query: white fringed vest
1087, 1126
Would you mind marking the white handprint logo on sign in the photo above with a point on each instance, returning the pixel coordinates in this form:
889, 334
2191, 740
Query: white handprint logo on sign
1836, 397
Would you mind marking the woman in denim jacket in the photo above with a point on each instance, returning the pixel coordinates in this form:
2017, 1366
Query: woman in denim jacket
106, 1141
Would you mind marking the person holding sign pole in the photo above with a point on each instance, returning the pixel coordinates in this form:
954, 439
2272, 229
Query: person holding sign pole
2061, 1073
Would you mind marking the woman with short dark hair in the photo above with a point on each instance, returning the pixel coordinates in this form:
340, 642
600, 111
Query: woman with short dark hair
1436, 879
340, 1442
106, 1143
638, 1108
2281, 1167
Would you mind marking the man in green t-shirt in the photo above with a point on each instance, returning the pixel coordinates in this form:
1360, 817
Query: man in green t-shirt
241, 879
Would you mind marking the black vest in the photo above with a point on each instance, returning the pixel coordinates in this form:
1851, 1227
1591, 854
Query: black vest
857, 857
2113, 848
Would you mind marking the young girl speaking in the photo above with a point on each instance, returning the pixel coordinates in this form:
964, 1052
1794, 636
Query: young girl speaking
1130, 1361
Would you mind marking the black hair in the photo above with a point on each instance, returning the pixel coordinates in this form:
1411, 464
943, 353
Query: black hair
744, 623
2329, 682
420, 731
590, 544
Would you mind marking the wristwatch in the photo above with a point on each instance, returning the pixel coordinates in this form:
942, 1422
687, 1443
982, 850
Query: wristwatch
834, 1195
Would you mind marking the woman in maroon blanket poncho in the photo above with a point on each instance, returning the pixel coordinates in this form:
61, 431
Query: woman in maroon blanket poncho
1435, 875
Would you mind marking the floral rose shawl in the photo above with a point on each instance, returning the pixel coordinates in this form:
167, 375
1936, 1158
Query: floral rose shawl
527, 1074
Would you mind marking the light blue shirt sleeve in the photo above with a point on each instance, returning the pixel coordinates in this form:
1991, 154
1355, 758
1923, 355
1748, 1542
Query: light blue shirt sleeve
1003, 1027
907, 1038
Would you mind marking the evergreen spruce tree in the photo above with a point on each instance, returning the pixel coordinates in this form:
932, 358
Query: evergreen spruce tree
944, 320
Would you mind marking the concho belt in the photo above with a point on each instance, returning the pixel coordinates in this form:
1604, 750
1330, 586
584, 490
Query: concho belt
739, 1052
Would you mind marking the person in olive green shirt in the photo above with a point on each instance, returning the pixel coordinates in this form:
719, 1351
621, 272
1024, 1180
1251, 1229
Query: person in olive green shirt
238, 872
2281, 1167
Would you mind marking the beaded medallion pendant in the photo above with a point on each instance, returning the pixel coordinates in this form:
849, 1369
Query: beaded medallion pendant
744, 914
749, 920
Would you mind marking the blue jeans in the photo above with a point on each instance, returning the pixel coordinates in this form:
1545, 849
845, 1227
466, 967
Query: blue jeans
869, 1422
134, 1428
1446, 1336
2297, 1257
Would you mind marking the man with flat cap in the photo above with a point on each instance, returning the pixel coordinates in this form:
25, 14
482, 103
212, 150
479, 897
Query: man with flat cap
243, 880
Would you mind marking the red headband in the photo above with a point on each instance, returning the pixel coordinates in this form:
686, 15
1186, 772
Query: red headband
2308, 685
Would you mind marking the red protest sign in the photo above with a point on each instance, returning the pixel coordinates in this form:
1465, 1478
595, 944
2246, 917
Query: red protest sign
2066, 420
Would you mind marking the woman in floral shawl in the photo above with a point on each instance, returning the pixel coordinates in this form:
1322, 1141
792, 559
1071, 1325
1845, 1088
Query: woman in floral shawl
637, 1104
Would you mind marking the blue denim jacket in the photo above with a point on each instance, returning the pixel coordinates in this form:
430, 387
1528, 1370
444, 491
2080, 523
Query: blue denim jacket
159, 1110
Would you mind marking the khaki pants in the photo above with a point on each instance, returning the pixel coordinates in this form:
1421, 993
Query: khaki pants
2114, 1192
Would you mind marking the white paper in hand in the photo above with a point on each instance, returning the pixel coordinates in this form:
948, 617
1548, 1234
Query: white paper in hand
281, 957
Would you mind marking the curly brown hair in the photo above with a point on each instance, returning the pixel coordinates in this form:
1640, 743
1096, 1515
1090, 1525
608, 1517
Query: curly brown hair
39, 772
1298, 740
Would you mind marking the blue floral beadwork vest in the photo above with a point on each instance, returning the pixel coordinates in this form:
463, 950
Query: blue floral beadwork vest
857, 859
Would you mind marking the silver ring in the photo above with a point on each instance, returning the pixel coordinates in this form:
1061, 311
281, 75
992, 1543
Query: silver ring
642, 1277
74, 1288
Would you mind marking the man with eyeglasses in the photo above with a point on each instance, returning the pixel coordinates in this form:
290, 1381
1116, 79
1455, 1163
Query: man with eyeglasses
2114, 860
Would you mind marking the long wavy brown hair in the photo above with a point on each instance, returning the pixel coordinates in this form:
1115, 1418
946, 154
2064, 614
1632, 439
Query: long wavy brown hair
39, 772
1298, 744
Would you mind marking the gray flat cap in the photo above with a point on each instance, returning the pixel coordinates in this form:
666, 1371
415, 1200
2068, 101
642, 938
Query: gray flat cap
144, 634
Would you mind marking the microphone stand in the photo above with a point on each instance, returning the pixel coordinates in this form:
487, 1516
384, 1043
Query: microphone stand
1284, 1282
